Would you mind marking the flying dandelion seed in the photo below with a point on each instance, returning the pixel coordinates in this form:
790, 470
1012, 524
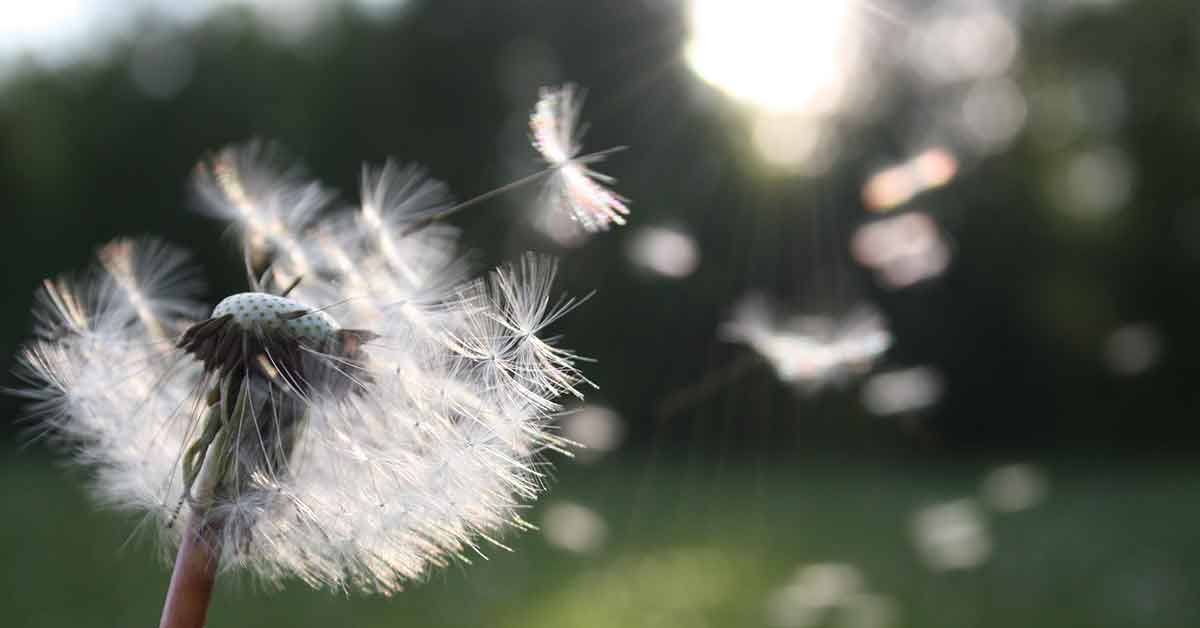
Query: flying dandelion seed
1014, 487
365, 413
1132, 349
574, 527
952, 535
870, 610
597, 429
573, 186
901, 391
898, 184
664, 251
810, 352
903, 249
829, 594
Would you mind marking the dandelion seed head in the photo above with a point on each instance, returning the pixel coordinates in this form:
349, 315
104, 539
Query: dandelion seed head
257, 310
386, 417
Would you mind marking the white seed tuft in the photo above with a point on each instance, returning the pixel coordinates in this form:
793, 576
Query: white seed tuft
422, 445
574, 187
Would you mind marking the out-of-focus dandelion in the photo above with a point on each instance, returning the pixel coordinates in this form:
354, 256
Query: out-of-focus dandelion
573, 186
952, 535
664, 251
365, 413
810, 351
679, 586
1014, 487
902, 250
574, 527
597, 429
898, 184
870, 610
992, 114
1096, 182
1132, 349
905, 390
816, 591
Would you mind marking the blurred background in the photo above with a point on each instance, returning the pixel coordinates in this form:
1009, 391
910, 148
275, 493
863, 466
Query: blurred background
897, 335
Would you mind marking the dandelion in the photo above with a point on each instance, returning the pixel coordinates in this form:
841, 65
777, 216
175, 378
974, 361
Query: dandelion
807, 352
364, 413
810, 351
596, 430
1014, 487
574, 527
952, 535
664, 251
902, 391
903, 249
573, 186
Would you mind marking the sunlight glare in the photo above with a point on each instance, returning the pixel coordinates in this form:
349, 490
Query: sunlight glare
779, 55
40, 25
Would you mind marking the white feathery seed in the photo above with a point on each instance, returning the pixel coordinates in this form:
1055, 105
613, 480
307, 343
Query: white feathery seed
573, 186
810, 351
430, 455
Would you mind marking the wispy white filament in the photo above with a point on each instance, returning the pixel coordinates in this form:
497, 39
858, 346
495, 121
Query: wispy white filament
429, 460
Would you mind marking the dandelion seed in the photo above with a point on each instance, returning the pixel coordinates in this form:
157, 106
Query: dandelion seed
573, 186
952, 535
903, 249
1132, 349
665, 251
574, 527
901, 391
811, 351
1014, 487
812, 593
598, 429
365, 413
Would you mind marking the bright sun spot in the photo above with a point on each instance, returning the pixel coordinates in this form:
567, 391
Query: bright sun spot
32, 18
44, 24
782, 55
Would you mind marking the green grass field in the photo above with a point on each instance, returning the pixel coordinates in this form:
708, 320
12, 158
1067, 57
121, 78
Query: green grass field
689, 544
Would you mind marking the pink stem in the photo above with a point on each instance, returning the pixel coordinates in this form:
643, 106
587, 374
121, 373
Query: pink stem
192, 579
